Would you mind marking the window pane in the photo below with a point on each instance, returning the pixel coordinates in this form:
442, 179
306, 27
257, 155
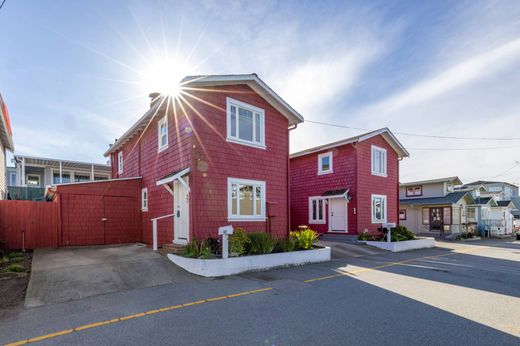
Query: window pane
257, 128
377, 208
81, 177
447, 216
56, 178
325, 163
426, 216
100, 178
258, 200
314, 205
245, 124
234, 199
233, 121
320, 209
246, 200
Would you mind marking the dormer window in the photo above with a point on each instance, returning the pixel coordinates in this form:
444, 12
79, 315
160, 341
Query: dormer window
378, 161
414, 191
245, 124
325, 163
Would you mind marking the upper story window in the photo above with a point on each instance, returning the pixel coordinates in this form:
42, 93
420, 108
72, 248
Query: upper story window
325, 163
246, 200
12, 179
412, 191
378, 208
245, 123
378, 161
65, 177
144, 199
316, 210
120, 162
162, 134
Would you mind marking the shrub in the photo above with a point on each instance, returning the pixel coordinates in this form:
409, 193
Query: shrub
197, 249
260, 243
16, 259
239, 241
368, 236
14, 268
14, 254
304, 238
400, 233
284, 245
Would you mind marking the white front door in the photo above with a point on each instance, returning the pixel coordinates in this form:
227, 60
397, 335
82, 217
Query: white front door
181, 210
338, 215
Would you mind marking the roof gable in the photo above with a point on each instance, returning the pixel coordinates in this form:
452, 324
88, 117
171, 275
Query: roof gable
6, 132
384, 132
453, 180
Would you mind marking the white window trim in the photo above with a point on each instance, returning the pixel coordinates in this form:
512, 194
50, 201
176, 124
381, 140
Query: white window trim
385, 173
120, 162
144, 200
320, 170
311, 220
260, 183
372, 208
163, 120
232, 102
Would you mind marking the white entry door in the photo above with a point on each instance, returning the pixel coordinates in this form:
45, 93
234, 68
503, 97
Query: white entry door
338, 215
181, 209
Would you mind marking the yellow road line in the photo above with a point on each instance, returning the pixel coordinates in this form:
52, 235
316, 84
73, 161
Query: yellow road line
391, 264
138, 315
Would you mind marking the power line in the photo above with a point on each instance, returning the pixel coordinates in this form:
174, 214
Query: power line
2, 5
462, 149
417, 134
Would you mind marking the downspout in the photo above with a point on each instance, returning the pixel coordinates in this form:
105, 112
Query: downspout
399, 159
289, 179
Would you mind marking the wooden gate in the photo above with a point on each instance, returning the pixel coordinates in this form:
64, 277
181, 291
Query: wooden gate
28, 224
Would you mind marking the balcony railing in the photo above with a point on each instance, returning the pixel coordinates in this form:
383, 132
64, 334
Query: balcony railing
26, 193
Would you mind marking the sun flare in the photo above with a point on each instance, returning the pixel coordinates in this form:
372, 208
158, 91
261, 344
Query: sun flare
165, 77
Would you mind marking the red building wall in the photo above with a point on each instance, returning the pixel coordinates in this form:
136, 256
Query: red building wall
352, 170
305, 183
197, 139
369, 184
215, 159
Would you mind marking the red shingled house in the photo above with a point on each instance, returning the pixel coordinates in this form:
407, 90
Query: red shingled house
216, 154
347, 186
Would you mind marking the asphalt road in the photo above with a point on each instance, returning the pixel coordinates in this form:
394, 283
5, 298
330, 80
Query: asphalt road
456, 294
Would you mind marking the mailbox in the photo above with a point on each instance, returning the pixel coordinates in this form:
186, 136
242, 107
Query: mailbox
228, 230
225, 232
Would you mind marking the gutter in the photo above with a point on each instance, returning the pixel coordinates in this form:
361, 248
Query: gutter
289, 178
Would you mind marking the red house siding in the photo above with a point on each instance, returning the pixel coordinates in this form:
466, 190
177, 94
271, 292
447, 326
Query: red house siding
197, 139
351, 170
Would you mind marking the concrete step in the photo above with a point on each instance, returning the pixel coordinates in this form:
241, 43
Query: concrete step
175, 249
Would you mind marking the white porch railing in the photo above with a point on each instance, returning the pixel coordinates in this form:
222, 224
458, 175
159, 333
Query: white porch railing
154, 223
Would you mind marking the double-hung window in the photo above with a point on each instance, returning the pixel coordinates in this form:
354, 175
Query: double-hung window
325, 163
246, 200
316, 210
378, 208
245, 124
162, 134
378, 161
120, 162
144, 199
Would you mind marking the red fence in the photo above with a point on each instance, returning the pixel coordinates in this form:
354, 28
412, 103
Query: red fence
28, 224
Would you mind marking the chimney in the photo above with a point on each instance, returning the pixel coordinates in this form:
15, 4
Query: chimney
154, 97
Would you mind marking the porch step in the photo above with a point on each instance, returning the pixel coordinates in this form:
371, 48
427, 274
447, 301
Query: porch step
171, 248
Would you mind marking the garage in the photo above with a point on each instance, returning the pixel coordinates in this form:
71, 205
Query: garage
99, 213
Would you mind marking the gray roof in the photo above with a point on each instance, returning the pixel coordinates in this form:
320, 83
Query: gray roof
432, 181
503, 203
485, 182
449, 199
516, 209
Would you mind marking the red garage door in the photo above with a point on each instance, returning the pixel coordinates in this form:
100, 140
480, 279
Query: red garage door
97, 220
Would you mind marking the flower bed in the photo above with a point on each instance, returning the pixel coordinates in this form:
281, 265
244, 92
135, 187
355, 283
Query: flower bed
235, 265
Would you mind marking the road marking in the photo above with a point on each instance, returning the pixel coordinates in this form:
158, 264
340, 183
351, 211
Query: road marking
391, 264
138, 315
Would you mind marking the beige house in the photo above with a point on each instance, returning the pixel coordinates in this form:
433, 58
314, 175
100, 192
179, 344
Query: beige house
6, 143
435, 206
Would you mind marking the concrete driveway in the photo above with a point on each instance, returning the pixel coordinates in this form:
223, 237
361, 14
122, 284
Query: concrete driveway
60, 275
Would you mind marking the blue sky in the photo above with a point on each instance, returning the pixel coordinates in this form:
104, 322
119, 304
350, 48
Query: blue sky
76, 74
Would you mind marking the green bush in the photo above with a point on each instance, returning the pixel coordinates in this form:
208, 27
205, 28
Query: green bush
239, 241
260, 243
401, 233
14, 254
304, 238
14, 268
369, 236
16, 259
197, 249
285, 245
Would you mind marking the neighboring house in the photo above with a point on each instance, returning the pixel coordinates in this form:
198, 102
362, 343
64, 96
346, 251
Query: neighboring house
6, 143
30, 176
216, 155
347, 186
497, 189
434, 206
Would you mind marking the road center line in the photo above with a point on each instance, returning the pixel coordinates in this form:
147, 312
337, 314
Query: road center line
133, 316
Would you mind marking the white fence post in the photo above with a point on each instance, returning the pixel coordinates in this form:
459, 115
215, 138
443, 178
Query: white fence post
154, 222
